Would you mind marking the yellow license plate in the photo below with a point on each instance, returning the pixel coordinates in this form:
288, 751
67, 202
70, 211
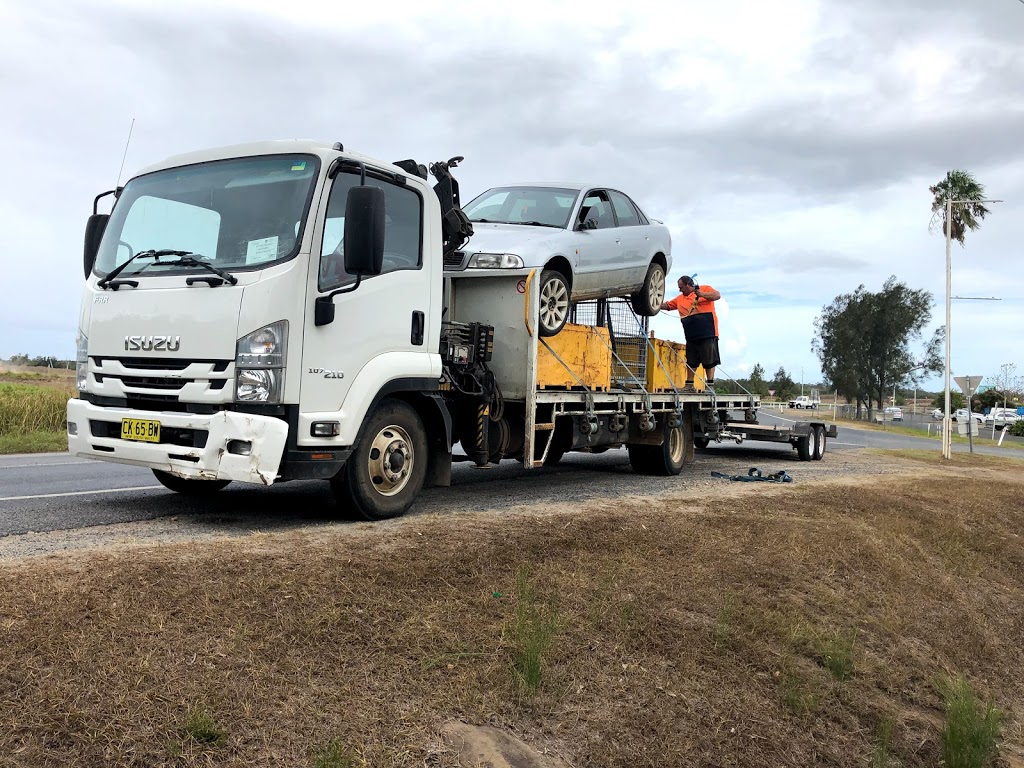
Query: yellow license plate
143, 430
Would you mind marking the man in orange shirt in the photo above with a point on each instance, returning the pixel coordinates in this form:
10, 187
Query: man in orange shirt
696, 306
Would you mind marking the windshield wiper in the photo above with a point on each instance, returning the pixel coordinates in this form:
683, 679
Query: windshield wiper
106, 281
185, 259
534, 224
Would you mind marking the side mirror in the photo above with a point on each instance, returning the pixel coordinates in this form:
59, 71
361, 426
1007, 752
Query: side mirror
94, 229
364, 231
323, 312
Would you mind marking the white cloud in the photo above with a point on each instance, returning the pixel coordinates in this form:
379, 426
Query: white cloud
789, 145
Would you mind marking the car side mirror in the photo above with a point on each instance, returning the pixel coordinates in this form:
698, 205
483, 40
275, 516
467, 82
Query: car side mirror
94, 229
364, 231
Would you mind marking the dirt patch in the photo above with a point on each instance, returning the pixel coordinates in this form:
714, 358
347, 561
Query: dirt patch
486, 747
750, 625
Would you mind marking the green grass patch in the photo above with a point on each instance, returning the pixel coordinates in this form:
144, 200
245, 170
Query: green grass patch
334, 755
33, 418
881, 756
531, 633
971, 731
835, 652
201, 727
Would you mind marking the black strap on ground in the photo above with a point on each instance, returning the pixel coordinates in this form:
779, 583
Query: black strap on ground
754, 476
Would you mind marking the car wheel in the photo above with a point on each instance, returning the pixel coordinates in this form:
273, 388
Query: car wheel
554, 302
648, 300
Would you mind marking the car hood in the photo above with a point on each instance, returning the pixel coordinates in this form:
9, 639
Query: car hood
521, 239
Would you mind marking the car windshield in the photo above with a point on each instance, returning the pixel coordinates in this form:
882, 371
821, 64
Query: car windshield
234, 214
545, 206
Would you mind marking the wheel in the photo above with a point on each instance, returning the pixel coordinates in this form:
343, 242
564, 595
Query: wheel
648, 300
803, 448
818, 436
554, 302
701, 441
187, 486
385, 472
666, 459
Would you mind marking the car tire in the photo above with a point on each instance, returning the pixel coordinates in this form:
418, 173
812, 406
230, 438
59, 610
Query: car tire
648, 300
555, 302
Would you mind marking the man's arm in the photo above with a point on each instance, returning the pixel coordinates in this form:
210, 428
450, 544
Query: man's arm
709, 295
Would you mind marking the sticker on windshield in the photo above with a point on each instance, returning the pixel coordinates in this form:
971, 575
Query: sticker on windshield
299, 166
259, 251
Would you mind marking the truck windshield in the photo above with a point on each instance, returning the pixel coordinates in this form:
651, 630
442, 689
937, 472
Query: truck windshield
236, 214
546, 206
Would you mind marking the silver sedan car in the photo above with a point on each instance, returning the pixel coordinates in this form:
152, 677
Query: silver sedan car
589, 241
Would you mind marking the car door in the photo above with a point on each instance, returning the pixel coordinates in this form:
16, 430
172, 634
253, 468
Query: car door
635, 238
385, 315
599, 246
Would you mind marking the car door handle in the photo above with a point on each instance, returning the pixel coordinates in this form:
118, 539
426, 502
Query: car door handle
618, 239
417, 328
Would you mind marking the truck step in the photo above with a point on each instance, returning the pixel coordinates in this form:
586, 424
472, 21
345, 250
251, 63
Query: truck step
543, 427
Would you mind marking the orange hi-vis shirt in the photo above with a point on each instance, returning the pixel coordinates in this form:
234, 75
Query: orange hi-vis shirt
700, 321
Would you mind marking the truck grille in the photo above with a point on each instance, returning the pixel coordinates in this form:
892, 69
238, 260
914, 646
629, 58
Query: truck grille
454, 260
164, 381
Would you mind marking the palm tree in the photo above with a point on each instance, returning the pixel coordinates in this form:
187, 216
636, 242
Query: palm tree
961, 185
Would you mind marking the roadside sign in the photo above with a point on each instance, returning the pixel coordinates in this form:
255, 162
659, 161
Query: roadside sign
985, 388
968, 384
771, 393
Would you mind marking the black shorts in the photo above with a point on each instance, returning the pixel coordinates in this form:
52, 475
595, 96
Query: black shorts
702, 352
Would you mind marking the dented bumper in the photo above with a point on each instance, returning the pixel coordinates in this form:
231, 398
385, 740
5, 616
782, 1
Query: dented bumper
223, 446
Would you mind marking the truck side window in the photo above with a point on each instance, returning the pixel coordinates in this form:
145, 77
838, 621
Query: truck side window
403, 230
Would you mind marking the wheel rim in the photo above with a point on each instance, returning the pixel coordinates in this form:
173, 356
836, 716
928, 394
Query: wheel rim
391, 460
554, 303
821, 441
675, 445
656, 293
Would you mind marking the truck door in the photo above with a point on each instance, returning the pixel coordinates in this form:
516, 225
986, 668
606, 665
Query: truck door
379, 332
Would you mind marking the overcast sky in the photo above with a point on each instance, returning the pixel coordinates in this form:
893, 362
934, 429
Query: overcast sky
789, 144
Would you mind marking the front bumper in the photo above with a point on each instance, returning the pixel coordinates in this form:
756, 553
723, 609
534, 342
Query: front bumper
221, 455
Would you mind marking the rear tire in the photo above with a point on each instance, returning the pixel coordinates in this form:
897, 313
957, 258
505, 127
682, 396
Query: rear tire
386, 471
187, 486
648, 300
818, 436
667, 459
555, 302
803, 448
701, 441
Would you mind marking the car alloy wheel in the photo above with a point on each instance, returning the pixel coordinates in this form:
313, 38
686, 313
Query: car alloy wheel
554, 302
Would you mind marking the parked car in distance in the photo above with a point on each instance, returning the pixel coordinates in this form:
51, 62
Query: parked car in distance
804, 402
1001, 417
938, 414
893, 413
961, 415
589, 242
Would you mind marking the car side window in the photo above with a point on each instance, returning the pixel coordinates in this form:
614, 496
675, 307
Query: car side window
624, 210
403, 217
596, 206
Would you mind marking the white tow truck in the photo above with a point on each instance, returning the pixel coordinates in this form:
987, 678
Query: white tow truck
279, 310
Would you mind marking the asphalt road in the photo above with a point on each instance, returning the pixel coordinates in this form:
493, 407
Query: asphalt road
57, 492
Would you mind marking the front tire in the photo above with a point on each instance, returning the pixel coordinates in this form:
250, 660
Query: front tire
386, 471
648, 300
188, 486
554, 302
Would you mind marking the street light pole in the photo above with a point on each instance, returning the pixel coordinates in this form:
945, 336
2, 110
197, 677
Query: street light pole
947, 420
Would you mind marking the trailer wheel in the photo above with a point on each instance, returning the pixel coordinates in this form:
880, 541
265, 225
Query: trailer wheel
803, 448
818, 435
385, 472
666, 459
701, 441
188, 486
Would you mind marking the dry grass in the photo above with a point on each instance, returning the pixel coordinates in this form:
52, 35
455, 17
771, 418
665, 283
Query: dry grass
687, 634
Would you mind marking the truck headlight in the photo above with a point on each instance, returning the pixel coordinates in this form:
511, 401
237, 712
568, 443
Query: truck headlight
495, 261
259, 364
81, 361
